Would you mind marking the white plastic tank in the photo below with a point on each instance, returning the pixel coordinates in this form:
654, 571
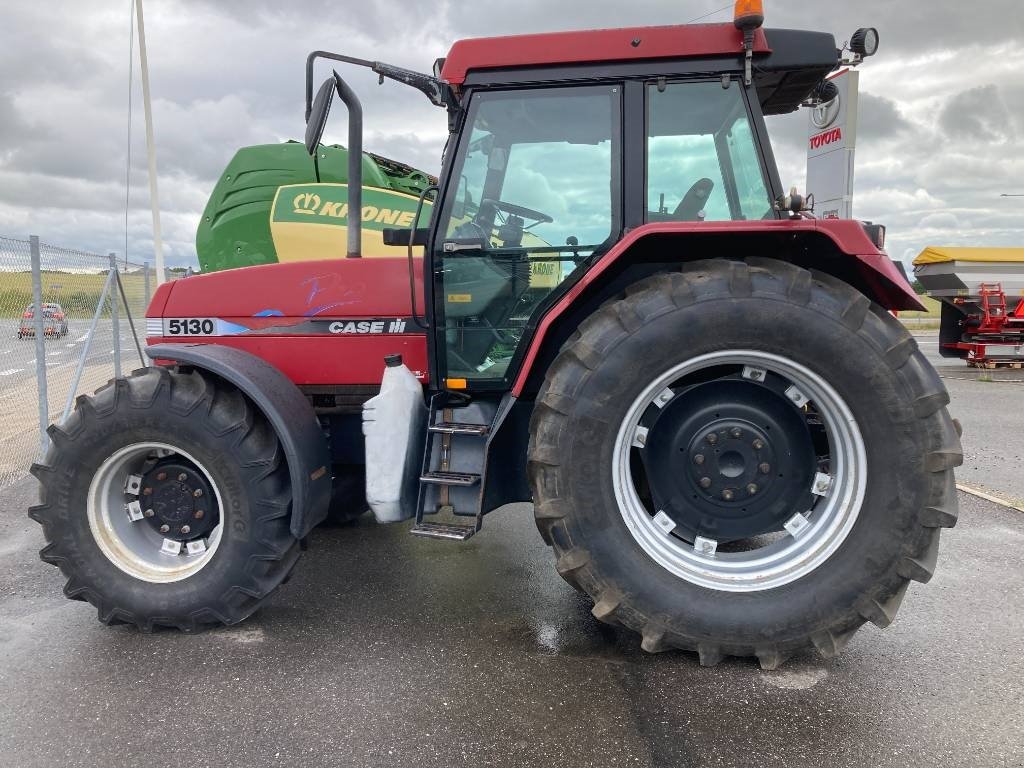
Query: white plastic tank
394, 424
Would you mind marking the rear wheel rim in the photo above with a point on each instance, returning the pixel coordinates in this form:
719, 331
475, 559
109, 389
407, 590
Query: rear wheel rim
808, 537
126, 528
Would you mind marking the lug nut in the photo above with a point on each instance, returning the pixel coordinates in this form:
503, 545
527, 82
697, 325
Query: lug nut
197, 492
752, 489
758, 445
727, 495
736, 432
698, 459
148, 512
712, 438
705, 482
165, 528
147, 491
182, 477
186, 529
198, 514
764, 468
161, 476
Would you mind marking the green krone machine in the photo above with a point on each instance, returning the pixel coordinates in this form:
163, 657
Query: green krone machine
268, 206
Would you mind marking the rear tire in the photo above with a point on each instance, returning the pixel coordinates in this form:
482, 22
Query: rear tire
118, 566
821, 326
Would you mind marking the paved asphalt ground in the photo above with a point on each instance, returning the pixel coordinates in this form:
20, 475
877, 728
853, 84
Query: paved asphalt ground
385, 650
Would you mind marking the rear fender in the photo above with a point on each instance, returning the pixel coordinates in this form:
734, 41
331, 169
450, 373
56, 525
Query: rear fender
287, 410
839, 247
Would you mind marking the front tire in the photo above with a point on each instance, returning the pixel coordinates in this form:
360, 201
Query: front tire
165, 501
665, 527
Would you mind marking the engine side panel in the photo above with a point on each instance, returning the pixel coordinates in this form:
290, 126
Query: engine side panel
320, 322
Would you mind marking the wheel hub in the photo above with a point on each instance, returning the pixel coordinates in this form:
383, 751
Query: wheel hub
729, 459
178, 501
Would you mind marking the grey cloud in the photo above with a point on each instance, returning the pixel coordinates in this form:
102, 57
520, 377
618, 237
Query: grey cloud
372, 19
880, 118
977, 114
944, 220
45, 43
14, 128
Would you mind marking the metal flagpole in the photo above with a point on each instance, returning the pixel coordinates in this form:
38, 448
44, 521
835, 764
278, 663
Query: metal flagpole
154, 198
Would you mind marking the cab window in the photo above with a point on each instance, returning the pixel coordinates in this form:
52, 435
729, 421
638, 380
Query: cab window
702, 162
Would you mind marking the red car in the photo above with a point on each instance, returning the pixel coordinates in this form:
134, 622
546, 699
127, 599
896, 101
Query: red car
54, 321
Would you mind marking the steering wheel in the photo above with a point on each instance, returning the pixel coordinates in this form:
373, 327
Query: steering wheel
515, 210
694, 200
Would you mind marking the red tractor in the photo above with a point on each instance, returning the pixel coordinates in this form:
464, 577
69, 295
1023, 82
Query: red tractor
614, 312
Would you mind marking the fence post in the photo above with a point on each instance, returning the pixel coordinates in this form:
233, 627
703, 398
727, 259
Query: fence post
89, 337
145, 282
37, 315
114, 320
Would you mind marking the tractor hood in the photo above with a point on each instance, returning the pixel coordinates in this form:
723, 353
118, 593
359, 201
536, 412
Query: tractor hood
342, 315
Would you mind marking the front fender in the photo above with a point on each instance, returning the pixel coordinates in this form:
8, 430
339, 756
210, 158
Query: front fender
801, 241
287, 410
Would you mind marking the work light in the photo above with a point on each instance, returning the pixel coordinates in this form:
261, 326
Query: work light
864, 41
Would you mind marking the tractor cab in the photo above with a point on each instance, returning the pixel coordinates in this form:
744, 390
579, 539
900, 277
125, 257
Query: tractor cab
538, 189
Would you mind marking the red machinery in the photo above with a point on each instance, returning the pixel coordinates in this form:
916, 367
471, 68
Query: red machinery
982, 295
991, 335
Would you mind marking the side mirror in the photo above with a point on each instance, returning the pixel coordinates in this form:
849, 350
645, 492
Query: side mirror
315, 122
318, 115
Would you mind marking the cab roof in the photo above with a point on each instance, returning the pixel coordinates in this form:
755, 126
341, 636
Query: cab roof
788, 63
595, 46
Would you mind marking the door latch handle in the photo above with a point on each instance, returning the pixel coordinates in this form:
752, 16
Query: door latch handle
453, 246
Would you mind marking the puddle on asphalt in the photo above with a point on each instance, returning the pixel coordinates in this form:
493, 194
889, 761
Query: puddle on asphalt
794, 679
576, 637
241, 635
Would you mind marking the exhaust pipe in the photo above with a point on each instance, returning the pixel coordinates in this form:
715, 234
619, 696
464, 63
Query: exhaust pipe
316, 118
355, 167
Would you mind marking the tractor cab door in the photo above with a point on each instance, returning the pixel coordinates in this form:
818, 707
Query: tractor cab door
532, 199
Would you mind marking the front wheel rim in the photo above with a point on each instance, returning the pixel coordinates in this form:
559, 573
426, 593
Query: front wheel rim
808, 536
129, 533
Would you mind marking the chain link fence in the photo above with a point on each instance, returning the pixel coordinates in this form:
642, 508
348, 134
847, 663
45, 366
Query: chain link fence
81, 338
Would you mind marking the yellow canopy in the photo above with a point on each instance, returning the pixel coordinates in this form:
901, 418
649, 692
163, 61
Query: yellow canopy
937, 255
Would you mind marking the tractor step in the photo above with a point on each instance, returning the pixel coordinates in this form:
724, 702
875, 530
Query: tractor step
440, 531
455, 428
463, 479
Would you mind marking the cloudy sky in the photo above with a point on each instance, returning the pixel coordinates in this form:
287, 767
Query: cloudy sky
941, 117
